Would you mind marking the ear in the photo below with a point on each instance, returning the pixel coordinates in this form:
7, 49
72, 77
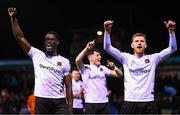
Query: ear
145, 45
89, 57
57, 43
132, 46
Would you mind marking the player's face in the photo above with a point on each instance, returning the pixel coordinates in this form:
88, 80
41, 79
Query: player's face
50, 43
139, 45
75, 75
96, 58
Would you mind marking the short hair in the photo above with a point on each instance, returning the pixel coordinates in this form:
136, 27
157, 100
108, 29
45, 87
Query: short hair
139, 34
74, 69
92, 50
55, 34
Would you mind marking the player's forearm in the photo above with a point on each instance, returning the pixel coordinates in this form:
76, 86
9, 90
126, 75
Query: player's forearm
172, 41
110, 49
107, 45
77, 95
107, 41
80, 57
69, 96
171, 48
16, 29
118, 72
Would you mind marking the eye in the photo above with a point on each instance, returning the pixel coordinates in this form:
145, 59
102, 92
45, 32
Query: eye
136, 40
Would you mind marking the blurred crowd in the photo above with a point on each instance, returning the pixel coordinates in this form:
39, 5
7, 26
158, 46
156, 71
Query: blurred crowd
14, 101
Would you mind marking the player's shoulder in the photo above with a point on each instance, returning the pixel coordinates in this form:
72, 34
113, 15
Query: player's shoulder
102, 66
35, 51
60, 57
86, 66
128, 54
151, 55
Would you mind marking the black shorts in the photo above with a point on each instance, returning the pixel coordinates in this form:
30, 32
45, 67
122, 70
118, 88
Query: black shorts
97, 108
50, 106
139, 108
78, 111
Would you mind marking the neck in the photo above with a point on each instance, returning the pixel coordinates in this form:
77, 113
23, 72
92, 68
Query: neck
51, 53
94, 64
139, 55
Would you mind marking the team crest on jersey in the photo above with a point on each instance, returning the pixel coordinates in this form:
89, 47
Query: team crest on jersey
61, 91
101, 69
147, 60
59, 63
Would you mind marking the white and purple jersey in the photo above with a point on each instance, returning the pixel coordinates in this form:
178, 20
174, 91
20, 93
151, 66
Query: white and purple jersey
49, 74
95, 84
76, 87
139, 72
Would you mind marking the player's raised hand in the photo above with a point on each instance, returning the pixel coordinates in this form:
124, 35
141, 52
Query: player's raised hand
110, 65
108, 25
90, 44
11, 11
170, 25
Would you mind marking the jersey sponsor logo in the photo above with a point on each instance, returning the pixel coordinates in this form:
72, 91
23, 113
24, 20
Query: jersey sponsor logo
49, 68
139, 70
59, 63
96, 77
147, 60
101, 69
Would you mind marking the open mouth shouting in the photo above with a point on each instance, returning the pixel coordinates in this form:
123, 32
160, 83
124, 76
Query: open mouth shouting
48, 47
139, 47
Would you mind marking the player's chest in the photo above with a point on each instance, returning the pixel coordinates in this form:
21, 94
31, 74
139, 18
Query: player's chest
139, 63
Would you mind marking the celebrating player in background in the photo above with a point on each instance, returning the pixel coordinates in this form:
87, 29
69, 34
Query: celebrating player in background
77, 88
51, 72
94, 79
139, 69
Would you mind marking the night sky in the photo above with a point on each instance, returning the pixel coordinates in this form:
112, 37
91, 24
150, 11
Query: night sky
36, 17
